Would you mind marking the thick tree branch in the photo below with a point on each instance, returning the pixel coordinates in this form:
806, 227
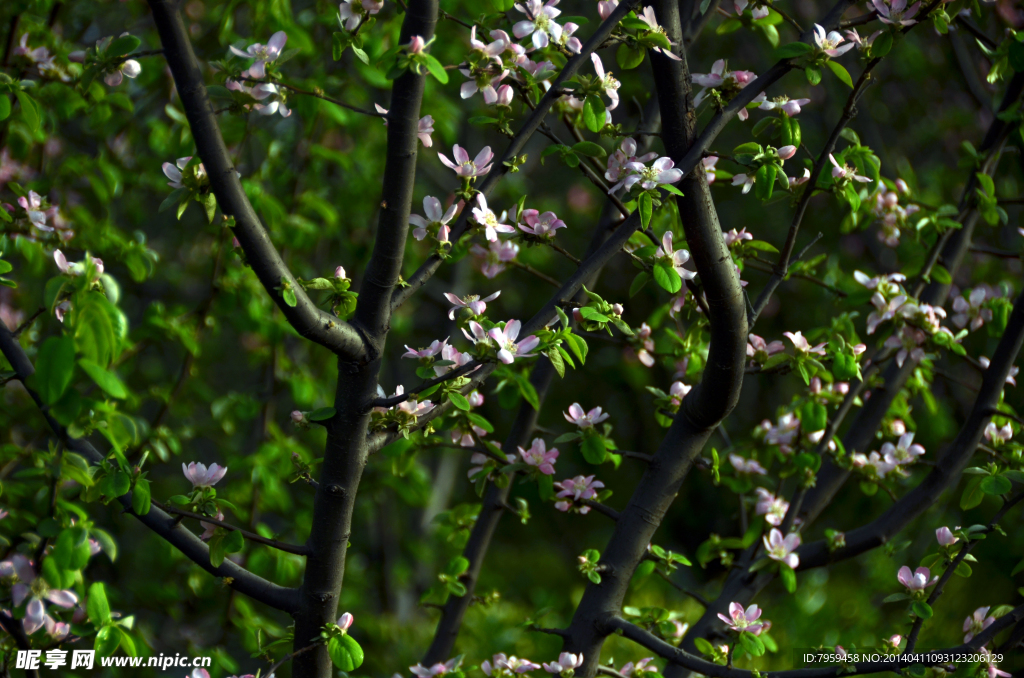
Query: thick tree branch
347, 446
710, 401
167, 527
308, 320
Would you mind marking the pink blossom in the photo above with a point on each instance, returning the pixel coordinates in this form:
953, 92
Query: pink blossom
263, 54
435, 217
351, 12
781, 548
734, 237
744, 620
606, 7
173, 172
784, 433
977, 622
902, 453
918, 580
745, 180
428, 352
36, 591
578, 488
200, 476
438, 669
641, 667
584, 420
492, 223
622, 157
677, 392
298, 417
873, 460
473, 302
790, 107
412, 407
969, 309
802, 345
466, 168
746, 465
649, 18
608, 83
662, 171
863, 44
829, 43
339, 273
500, 665
76, 268
345, 621
508, 348
771, 507
998, 436
539, 22
909, 339
491, 50
992, 670
884, 310
897, 12
845, 171
130, 68
495, 256
676, 257
424, 128
209, 529
485, 84
945, 537
539, 456
566, 662
451, 354
540, 225
760, 351
708, 163
755, 13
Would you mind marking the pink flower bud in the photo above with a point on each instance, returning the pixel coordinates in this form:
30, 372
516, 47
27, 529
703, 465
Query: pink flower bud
576, 315
298, 417
340, 272
945, 536
787, 152
504, 95
617, 309
416, 45
902, 187
345, 621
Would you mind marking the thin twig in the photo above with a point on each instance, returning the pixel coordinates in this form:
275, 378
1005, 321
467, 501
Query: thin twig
251, 536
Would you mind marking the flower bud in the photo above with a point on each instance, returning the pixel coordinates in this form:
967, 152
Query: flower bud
504, 95
787, 152
340, 272
416, 45
298, 417
345, 621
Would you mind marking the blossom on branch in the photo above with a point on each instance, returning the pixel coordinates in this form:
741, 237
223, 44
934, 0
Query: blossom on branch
745, 620
539, 456
263, 54
508, 348
781, 548
918, 580
466, 168
540, 22
576, 415
435, 219
829, 43
473, 302
201, 476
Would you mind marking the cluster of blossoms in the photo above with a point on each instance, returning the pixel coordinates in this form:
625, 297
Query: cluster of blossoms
748, 620
893, 457
502, 666
771, 507
540, 457
261, 92
27, 586
352, 12
261, 55
40, 215
746, 466
627, 169
45, 62
890, 213
723, 84
747, 180
577, 489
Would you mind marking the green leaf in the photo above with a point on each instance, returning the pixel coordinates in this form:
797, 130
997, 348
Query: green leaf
593, 113
105, 379
115, 485
362, 56
459, 401
178, 195
645, 204
529, 393
546, 488
672, 189
792, 50
641, 279
995, 485
29, 111
1019, 567
764, 182
704, 646
97, 606
788, 577
55, 366
126, 44
578, 346
436, 69
895, 597
921, 609
107, 640
840, 72
141, 497
963, 570
321, 414
941, 274
973, 494
594, 449
234, 542
288, 295
667, 277
629, 57
589, 149
881, 46
813, 74
556, 361
5, 107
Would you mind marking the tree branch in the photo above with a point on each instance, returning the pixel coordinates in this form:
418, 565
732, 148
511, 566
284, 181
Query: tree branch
308, 320
168, 528
251, 536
